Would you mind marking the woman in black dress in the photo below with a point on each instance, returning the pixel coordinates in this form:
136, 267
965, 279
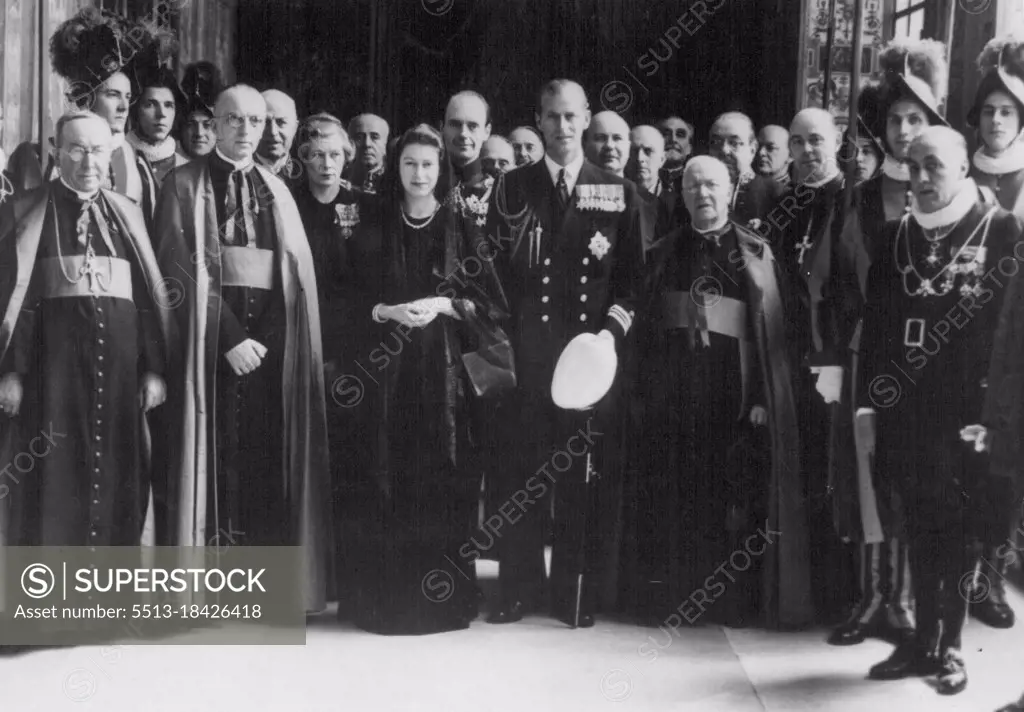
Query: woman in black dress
428, 489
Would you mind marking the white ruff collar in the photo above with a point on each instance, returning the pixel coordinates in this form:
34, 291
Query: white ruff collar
1010, 161
960, 205
895, 170
153, 152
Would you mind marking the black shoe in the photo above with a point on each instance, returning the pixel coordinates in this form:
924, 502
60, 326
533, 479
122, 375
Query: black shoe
994, 611
507, 613
908, 660
586, 620
953, 673
850, 633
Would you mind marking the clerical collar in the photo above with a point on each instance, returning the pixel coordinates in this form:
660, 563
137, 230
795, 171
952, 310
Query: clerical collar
715, 231
572, 170
895, 170
235, 165
84, 197
1009, 161
961, 204
830, 176
153, 152
274, 167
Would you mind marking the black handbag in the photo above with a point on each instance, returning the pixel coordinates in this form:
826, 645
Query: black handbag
491, 366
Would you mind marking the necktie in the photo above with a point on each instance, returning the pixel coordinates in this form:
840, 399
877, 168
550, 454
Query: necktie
563, 191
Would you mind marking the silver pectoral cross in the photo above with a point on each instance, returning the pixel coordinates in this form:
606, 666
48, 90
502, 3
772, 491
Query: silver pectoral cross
94, 274
803, 247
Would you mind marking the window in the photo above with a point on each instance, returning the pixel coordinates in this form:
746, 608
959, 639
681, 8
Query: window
908, 20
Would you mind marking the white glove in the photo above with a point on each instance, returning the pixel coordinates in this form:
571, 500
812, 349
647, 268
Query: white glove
976, 434
830, 383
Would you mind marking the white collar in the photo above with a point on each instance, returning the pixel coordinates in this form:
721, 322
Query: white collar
960, 205
1010, 161
237, 165
153, 152
273, 166
717, 226
572, 171
895, 170
84, 197
117, 141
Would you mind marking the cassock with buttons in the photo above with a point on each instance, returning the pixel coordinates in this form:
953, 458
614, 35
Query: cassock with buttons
251, 450
703, 478
81, 327
569, 258
823, 307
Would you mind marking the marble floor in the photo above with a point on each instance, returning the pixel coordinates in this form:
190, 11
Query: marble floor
534, 666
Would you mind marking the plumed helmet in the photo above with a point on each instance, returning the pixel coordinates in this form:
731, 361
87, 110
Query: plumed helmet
201, 84
915, 70
1002, 65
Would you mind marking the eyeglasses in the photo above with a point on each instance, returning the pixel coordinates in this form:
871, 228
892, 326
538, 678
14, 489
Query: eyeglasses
236, 121
78, 153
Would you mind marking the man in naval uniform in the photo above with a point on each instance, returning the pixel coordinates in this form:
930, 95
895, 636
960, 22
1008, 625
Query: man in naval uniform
568, 256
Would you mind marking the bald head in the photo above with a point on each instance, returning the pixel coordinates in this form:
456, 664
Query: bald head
707, 189
772, 155
497, 156
938, 164
814, 144
607, 142
279, 131
647, 155
242, 105
467, 124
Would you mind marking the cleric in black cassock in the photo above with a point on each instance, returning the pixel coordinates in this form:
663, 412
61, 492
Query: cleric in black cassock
569, 259
250, 456
933, 303
715, 456
83, 349
822, 313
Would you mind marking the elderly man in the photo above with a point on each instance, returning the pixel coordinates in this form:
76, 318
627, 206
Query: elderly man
528, 145
647, 156
607, 142
369, 133
708, 411
772, 159
933, 303
251, 420
568, 256
497, 156
678, 135
87, 276
273, 152
733, 142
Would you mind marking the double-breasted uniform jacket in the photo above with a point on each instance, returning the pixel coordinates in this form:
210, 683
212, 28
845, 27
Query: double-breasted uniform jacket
564, 274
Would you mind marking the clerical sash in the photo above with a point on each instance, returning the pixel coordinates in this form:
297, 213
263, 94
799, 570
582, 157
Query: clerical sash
74, 277
727, 316
247, 267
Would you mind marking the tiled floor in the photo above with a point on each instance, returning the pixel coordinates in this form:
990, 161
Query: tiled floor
533, 666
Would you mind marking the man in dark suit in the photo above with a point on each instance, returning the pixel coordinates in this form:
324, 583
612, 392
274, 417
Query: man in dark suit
658, 213
734, 142
565, 235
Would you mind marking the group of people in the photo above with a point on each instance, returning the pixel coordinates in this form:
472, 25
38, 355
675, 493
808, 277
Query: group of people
701, 379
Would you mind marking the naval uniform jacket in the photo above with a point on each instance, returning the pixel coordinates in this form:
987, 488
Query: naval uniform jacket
566, 274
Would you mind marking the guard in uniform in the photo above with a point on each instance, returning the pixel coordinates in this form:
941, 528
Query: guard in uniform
933, 302
567, 249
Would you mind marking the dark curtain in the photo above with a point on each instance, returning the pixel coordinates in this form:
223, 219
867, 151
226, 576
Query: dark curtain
404, 58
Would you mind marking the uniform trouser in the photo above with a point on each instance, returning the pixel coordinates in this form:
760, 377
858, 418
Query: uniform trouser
885, 584
997, 521
545, 453
941, 565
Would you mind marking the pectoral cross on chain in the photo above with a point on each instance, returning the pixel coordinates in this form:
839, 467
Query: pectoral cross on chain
95, 276
803, 247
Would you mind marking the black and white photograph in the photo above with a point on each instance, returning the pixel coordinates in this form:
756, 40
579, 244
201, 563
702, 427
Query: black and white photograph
511, 355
